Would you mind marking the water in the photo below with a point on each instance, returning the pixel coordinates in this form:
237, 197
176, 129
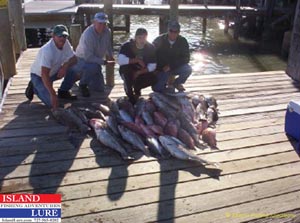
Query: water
215, 52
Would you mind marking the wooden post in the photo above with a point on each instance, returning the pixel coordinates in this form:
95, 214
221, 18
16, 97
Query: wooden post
17, 19
75, 33
293, 68
127, 23
7, 54
269, 4
237, 20
163, 24
204, 25
174, 9
108, 9
226, 28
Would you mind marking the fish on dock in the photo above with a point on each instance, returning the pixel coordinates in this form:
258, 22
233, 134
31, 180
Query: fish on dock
69, 119
178, 151
108, 139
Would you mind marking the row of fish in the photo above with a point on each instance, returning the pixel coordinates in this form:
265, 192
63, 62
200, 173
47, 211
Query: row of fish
161, 125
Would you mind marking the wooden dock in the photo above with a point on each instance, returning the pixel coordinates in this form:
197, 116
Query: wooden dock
47, 13
260, 169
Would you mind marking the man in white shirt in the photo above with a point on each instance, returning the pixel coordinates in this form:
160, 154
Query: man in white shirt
94, 45
53, 62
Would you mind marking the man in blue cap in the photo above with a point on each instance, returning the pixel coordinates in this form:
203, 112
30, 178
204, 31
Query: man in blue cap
173, 56
53, 62
94, 45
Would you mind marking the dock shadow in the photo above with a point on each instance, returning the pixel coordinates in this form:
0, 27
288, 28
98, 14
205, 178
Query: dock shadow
168, 183
19, 140
44, 181
106, 158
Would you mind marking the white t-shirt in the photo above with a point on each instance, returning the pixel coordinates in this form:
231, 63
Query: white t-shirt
51, 57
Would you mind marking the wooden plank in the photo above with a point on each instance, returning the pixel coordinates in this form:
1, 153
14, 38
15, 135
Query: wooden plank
269, 163
272, 205
249, 124
25, 141
148, 179
143, 166
201, 85
19, 83
33, 132
187, 199
254, 110
58, 154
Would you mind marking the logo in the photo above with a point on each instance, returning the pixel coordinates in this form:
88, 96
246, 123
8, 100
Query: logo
30, 208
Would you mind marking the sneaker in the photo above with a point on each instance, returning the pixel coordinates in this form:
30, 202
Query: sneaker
66, 95
84, 90
29, 91
180, 87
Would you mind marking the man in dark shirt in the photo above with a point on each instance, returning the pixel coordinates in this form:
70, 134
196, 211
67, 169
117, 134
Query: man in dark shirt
137, 62
173, 56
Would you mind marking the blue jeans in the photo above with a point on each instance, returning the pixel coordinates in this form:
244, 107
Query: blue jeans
90, 74
41, 91
183, 73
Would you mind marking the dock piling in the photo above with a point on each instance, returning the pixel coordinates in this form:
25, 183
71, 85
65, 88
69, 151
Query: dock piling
7, 52
108, 9
75, 33
17, 18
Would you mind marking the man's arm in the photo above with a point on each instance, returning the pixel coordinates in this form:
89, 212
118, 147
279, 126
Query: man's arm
63, 69
49, 86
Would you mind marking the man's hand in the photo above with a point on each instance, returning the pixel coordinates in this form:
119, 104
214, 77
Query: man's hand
61, 72
166, 68
137, 61
54, 101
140, 62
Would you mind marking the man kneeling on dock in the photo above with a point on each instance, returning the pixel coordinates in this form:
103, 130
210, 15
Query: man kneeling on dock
173, 56
53, 62
94, 45
137, 62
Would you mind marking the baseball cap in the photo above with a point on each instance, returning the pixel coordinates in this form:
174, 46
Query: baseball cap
60, 30
101, 17
174, 25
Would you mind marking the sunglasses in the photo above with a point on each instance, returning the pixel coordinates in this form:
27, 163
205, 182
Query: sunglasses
63, 36
173, 31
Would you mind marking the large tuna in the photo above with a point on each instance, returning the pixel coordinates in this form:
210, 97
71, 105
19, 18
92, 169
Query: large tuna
69, 119
133, 139
155, 146
108, 139
103, 108
134, 127
171, 128
147, 118
160, 119
180, 152
163, 107
124, 104
125, 116
185, 137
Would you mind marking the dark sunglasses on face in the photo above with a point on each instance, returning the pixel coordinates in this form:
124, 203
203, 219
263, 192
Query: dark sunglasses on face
64, 36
